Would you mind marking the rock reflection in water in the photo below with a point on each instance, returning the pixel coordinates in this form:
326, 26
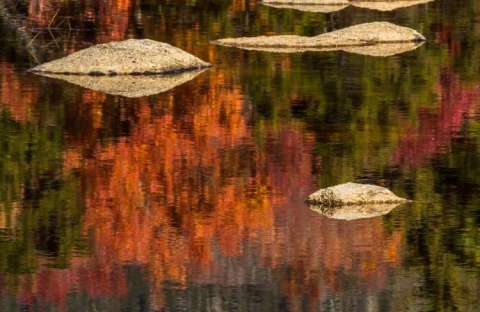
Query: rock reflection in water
377, 50
129, 85
355, 212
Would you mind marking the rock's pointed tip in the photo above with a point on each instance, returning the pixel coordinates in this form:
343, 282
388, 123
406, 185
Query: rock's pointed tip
420, 37
218, 42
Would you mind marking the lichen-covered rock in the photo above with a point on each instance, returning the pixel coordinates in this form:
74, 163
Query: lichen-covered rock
353, 194
131, 86
355, 212
372, 35
128, 57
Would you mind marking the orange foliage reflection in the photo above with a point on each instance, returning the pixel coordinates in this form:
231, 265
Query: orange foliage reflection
199, 197
16, 96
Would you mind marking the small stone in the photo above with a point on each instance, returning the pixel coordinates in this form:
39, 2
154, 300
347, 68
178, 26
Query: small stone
353, 194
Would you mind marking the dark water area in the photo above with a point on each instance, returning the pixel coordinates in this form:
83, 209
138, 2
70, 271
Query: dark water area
193, 199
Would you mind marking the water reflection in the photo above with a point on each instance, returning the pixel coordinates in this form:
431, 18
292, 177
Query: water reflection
377, 50
192, 199
436, 130
355, 212
128, 85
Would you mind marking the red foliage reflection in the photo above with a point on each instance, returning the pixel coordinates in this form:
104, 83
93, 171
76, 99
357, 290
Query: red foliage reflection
436, 130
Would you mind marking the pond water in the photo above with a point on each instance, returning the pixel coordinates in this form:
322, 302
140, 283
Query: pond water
193, 199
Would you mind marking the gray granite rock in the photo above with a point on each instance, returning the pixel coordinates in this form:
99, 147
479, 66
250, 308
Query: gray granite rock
353, 194
128, 57
374, 37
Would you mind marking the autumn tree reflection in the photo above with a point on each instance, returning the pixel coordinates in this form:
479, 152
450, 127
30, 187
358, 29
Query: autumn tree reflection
437, 129
197, 196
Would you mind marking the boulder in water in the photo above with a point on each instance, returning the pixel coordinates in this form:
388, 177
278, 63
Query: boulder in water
372, 35
128, 57
349, 194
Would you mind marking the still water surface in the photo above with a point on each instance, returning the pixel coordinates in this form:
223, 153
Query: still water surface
192, 199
